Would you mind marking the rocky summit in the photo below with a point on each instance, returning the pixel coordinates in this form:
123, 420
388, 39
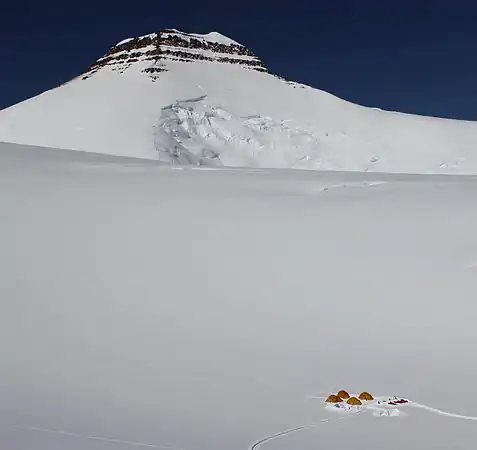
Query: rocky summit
173, 45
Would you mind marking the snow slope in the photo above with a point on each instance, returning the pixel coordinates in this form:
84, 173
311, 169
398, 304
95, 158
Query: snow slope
216, 113
150, 306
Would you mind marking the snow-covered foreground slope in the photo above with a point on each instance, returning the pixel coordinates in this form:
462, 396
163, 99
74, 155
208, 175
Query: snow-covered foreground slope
216, 113
147, 306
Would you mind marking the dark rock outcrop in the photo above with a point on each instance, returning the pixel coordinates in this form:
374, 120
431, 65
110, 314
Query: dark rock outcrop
175, 46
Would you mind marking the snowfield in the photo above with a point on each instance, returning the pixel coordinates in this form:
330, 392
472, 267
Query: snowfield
146, 305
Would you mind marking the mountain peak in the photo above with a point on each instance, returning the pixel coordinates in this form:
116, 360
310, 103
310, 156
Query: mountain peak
213, 36
153, 51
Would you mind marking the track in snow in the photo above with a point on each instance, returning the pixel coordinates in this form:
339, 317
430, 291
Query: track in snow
442, 413
280, 434
98, 438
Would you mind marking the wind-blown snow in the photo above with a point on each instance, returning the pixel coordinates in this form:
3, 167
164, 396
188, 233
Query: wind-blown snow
239, 117
145, 305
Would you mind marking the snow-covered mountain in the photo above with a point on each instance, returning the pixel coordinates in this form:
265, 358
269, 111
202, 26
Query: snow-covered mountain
206, 99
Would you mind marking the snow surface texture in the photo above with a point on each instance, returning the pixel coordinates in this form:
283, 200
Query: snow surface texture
147, 305
214, 113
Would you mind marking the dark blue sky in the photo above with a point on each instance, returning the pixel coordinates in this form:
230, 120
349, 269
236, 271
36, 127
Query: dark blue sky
413, 56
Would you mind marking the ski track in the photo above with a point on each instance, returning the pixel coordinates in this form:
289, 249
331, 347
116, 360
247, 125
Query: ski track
280, 434
98, 438
442, 413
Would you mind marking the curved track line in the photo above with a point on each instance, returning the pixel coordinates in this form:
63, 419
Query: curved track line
280, 434
277, 435
98, 438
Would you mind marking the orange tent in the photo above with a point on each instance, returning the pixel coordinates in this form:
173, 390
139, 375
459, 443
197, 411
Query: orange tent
354, 401
343, 394
333, 399
366, 396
